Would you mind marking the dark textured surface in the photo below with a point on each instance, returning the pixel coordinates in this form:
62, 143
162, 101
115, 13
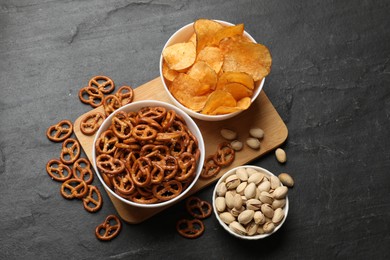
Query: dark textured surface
329, 82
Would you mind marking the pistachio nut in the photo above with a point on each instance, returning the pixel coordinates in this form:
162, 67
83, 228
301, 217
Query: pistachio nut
242, 174
280, 155
278, 203
246, 216
235, 212
250, 171
229, 199
268, 227
251, 228
237, 228
260, 230
266, 197
253, 204
220, 204
237, 201
264, 186
226, 217
278, 215
267, 210
286, 179
250, 191
256, 132
259, 218
253, 143
232, 182
236, 145
280, 192
240, 188
275, 182
221, 189
228, 134
256, 178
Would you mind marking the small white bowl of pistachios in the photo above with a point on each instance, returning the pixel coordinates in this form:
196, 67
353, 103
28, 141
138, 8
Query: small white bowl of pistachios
250, 202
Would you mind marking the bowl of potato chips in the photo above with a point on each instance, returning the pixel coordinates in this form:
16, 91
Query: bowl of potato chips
213, 70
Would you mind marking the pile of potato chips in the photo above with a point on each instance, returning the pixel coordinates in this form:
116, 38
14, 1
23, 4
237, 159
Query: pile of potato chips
215, 71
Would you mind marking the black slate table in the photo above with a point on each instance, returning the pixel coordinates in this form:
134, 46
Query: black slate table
329, 82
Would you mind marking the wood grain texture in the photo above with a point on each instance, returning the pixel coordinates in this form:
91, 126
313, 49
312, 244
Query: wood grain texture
261, 114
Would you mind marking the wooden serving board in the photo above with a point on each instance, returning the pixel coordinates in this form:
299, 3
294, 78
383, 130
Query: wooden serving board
260, 114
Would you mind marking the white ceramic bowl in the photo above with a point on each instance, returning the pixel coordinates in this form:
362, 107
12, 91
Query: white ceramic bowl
225, 226
183, 35
135, 106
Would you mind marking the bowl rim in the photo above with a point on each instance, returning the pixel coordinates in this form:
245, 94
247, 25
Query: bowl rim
225, 226
196, 131
184, 108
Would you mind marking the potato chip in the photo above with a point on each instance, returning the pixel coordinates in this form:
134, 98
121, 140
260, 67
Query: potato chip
180, 56
252, 58
204, 74
212, 56
168, 74
193, 39
189, 92
228, 31
225, 110
240, 38
244, 103
205, 31
217, 99
236, 77
237, 90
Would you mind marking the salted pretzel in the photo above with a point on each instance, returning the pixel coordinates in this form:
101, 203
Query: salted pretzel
187, 165
74, 188
144, 132
121, 126
70, 151
157, 173
225, 154
198, 208
171, 167
192, 148
125, 95
91, 123
92, 96
109, 229
82, 170
141, 172
110, 104
169, 119
60, 131
58, 171
143, 198
177, 148
92, 201
190, 228
210, 168
151, 122
167, 190
156, 113
109, 165
106, 142
103, 83
123, 184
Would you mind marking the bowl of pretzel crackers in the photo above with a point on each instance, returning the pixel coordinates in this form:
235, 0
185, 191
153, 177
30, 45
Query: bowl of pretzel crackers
213, 70
148, 154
